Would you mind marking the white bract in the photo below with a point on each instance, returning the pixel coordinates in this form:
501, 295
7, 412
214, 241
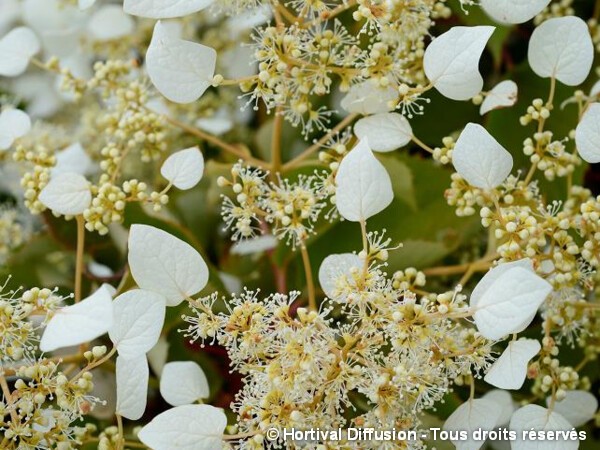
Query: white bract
367, 98
480, 159
504, 400
157, 356
509, 303
493, 274
513, 11
218, 124
587, 134
578, 407
164, 9
132, 386
14, 124
85, 4
509, 371
139, 317
73, 159
187, 427
451, 61
184, 168
249, 18
333, 267
180, 70
110, 22
162, 263
183, 383
562, 48
503, 95
595, 90
68, 194
11, 12
48, 422
39, 91
58, 24
79, 323
100, 271
474, 414
258, 244
535, 417
16, 49
385, 132
364, 187
231, 283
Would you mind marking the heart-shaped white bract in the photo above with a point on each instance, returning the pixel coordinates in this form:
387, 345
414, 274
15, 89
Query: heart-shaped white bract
493, 274
162, 263
509, 371
504, 401
367, 98
16, 49
562, 48
183, 383
480, 159
333, 267
14, 124
110, 22
537, 418
187, 427
513, 11
509, 303
587, 134
132, 386
180, 70
578, 407
184, 169
68, 194
479, 413
503, 95
73, 159
451, 61
364, 187
139, 317
79, 323
164, 9
385, 132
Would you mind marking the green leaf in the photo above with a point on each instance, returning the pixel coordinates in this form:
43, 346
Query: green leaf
419, 253
290, 142
402, 180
